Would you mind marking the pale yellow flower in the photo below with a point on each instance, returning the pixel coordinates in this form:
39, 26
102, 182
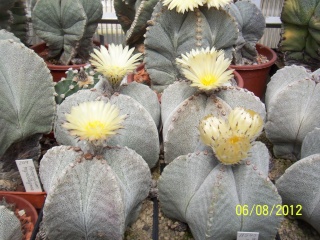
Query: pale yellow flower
231, 140
218, 3
94, 121
206, 68
115, 62
183, 5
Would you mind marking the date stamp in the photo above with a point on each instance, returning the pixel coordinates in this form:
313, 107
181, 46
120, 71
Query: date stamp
266, 210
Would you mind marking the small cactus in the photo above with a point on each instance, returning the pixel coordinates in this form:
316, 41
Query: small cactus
75, 80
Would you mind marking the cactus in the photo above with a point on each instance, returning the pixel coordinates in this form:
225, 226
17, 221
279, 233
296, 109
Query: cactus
75, 80
102, 202
10, 226
299, 185
5, 35
27, 102
140, 131
206, 194
292, 105
133, 17
171, 34
5, 13
299, 36
114, 180
69, 29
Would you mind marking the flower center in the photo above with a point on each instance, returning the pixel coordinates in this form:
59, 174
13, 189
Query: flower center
95, 128
208, 79
234, 139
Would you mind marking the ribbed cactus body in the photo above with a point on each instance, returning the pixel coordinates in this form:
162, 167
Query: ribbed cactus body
26, 96
140, 131
172, 34
10, 226
5, 35
67, 26
251, 25
300, 33
6, 17
292, 100
100, 195
198, 190
182, 109
19, 25
299, 189
133, 17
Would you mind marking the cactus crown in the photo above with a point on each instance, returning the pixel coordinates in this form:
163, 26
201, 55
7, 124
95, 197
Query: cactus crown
69, 28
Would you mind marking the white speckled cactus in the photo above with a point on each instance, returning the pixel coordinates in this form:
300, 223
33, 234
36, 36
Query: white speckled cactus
10, 226
183, 107
236, 28
299, 185
26, 102
101, 195
292, 100
206, 194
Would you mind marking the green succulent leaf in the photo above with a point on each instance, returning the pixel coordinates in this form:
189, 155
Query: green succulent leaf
61, 24
27, 102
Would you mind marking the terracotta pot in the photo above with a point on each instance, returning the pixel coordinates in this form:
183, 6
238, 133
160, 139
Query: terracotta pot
36, 199
21, 203
57, 71
255, 76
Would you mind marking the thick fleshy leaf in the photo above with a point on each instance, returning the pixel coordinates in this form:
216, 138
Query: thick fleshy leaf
10, 226
61, 24
299, 187
27, 101
173, 34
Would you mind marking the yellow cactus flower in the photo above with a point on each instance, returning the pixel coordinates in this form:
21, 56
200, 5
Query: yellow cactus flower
94, 121
206, 68
218, 3
231, 140
183, 5
115, 62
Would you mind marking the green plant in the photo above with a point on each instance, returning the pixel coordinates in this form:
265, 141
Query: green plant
10, 226
133, 17
27, 103
292, 100
75, 80
299, 185
218, 191
234, 28
299, 42
67, 27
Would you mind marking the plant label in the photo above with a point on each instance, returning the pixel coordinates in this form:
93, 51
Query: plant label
247, 235
29, 175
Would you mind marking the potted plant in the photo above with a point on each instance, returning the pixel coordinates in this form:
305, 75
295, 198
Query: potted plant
27, 107
176, 28
18, 217
67, 30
